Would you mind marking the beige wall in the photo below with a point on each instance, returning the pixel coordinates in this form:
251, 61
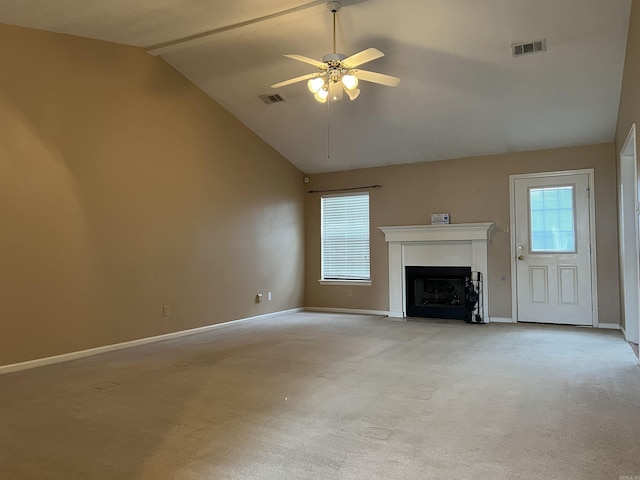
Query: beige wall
629, 111
471, 190
123, 188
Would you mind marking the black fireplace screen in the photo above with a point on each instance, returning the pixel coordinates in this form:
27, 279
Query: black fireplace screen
440, 292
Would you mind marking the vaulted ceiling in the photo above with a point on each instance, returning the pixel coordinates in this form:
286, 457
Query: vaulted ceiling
462, 92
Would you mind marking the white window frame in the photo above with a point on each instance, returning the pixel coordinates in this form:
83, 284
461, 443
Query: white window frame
345, 281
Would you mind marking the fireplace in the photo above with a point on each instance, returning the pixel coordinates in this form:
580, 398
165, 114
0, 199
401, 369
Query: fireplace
440, 292
458, 245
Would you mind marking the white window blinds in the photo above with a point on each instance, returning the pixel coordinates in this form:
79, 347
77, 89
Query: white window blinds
345, 237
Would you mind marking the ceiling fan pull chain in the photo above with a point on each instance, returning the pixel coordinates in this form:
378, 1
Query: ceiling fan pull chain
328, 129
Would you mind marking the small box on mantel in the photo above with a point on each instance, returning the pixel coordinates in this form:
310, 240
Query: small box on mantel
439, 219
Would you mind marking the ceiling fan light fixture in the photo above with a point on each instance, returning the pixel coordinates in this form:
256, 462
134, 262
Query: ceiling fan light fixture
349, 81
353, 94
321, 95
335, 91
315, 84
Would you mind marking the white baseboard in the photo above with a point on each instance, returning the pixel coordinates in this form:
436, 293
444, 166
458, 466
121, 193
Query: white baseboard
347, 310
65, 357
500, 320
610, 326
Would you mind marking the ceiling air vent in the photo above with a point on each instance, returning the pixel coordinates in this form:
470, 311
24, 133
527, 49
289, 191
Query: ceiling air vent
519, 49
272, 98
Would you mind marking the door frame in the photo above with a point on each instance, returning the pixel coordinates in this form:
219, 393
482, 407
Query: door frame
628, 219
592, 233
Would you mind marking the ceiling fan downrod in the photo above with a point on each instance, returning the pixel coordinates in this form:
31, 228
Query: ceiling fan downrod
334, 7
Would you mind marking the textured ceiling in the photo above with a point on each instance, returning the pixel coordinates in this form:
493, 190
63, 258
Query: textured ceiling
462, 93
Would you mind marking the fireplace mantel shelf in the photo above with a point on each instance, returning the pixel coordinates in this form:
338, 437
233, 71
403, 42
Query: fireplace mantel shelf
434, 233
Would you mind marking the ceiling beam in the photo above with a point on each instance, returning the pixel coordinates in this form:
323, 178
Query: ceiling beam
305, 10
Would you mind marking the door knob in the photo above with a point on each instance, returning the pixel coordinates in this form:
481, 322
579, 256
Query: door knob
520, 257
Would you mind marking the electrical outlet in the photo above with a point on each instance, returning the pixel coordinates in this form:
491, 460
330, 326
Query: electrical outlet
165, 311
269, 296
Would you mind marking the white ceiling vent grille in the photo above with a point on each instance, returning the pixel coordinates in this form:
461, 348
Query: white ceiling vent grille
272, 98
519, 49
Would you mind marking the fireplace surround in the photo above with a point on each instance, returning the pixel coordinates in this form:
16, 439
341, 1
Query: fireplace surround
462, 244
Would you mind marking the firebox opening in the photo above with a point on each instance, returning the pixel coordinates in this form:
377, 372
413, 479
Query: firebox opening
440, 292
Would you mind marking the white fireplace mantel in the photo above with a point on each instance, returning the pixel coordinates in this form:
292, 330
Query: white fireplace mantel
462, 244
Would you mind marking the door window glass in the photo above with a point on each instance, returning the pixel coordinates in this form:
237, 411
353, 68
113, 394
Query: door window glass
551, 213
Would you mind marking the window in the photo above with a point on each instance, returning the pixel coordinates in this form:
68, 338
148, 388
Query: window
345, 237
552, 219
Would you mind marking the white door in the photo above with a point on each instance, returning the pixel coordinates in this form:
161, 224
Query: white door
552, 249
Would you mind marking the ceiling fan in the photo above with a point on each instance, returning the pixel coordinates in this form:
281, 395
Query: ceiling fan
338, 73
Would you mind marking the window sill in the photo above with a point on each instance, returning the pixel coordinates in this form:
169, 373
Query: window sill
361, 283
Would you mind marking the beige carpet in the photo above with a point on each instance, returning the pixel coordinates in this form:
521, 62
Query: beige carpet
320, 396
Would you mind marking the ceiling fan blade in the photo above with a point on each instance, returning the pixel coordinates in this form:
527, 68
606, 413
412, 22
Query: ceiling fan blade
374, 77
301, 78
310, 61
362, 57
